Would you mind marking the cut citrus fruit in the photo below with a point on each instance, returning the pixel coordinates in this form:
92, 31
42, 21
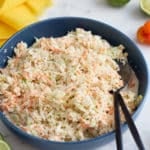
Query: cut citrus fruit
4, 145
145, 6
118, 2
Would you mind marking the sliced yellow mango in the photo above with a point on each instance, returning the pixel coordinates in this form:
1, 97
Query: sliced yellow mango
6, 31
18, 17
2, 42
8, 4
37, 6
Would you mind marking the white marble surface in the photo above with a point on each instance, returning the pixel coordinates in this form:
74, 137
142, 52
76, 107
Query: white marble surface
127, 20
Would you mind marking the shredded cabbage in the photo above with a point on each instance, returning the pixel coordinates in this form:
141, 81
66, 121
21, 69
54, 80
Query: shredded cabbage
60, 88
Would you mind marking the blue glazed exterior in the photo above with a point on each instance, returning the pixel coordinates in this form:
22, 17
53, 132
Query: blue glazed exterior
58, 27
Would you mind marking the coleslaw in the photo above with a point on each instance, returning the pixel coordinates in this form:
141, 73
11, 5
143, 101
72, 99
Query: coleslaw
60, 88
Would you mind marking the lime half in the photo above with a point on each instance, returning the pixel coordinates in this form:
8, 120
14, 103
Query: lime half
145, 6
4, 145
118, 3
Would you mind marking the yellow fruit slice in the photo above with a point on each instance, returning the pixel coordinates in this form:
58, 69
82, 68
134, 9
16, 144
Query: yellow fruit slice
42, 4
2, 42
8, 4
145, 6
18, 17
5, 31
4, 145
118, 2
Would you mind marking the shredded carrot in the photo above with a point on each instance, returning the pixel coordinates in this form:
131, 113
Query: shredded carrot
58, 88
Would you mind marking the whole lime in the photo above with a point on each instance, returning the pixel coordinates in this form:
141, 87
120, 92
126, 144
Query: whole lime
118, 3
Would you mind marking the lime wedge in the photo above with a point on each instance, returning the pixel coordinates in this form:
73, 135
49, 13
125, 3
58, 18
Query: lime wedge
145, 6
118, 3
4, 145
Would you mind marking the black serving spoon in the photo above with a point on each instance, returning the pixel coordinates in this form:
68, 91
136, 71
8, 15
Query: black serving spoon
127, 75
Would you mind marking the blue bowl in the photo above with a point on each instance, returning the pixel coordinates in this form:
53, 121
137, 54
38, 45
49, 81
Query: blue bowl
58, 27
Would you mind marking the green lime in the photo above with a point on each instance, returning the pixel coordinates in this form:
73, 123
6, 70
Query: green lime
118, 3
1, 137
145, 6
4, 145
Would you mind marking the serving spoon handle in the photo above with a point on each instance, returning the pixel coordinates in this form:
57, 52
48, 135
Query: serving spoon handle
130, 123
118, 100
117, 123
